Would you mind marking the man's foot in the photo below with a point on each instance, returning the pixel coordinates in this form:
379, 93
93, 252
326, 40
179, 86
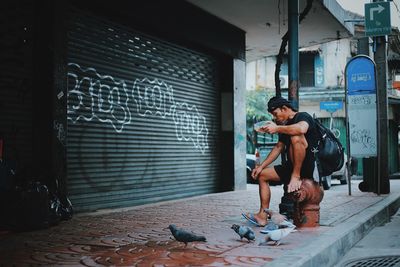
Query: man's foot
261, 218
294, 185
255, 219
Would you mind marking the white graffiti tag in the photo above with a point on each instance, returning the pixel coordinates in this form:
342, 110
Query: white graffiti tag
97, 96
102, 97
153, 98
156, 98
191, 126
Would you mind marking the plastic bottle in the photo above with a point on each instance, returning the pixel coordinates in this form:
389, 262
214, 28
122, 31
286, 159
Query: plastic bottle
257, 154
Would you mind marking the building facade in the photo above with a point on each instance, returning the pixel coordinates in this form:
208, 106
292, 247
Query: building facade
322, 79
124, 104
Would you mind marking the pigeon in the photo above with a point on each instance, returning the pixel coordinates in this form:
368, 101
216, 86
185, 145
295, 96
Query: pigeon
278, 235
184, 236
269, 227
279, 219
244, 231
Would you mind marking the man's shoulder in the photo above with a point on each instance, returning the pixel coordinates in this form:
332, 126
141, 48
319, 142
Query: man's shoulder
303, 116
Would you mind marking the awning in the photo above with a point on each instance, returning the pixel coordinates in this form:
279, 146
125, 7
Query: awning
265, 22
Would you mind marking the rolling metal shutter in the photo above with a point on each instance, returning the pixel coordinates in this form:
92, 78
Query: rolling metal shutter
143, 117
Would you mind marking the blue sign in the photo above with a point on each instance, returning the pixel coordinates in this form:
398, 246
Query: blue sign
361, 105
360, 76
331, 106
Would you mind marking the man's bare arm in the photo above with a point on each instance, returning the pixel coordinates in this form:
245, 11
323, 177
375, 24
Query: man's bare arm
294, 129
276, 150
273, 155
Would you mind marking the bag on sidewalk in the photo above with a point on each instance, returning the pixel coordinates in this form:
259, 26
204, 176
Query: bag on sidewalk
329, 153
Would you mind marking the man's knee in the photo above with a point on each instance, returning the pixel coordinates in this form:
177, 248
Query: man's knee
298, 140
263, 177
268, 175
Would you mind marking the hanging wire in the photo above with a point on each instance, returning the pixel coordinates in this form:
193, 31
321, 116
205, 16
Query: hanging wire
279, 16
283, 17
396, 6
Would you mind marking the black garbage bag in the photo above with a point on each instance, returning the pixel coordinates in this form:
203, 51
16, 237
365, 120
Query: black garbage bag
60, 205
60, 209
38, 208
32, 210
66, 210
33, 206
55, 207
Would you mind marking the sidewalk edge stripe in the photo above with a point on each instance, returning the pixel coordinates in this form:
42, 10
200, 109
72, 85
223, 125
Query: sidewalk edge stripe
327, 249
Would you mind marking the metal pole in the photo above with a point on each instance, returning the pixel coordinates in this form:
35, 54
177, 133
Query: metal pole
293, 25
383, 185
348, 176
287, 205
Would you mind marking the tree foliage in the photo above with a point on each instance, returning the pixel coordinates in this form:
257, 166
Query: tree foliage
256, 105
256, 110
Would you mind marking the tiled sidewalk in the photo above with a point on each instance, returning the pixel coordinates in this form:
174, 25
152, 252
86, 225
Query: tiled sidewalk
138, 236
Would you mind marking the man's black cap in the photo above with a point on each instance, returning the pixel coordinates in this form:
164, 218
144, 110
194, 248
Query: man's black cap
278, 102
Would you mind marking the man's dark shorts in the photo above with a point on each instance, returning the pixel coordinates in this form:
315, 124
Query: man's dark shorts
284, 171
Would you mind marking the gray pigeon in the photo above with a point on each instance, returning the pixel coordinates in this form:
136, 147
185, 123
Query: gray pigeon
278, 235
244, 231
269, 227
279, 219
184, 236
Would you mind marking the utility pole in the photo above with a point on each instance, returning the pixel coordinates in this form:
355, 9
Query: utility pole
293, 25
287, 205
380, 49
383, 185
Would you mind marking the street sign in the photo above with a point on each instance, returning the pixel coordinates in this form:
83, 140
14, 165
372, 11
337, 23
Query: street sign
360, 76
377, 19
331, 106
361, 111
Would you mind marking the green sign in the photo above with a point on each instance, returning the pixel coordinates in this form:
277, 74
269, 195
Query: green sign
377, 19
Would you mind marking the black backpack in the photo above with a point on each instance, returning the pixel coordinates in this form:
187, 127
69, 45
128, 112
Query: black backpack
329, 153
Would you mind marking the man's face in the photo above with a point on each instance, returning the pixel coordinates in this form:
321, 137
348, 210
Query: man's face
280, 115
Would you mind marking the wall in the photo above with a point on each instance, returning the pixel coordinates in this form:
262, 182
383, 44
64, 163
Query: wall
260, 73
240, 125
335, 55
332, 58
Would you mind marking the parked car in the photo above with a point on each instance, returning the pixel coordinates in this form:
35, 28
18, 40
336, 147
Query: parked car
340, 174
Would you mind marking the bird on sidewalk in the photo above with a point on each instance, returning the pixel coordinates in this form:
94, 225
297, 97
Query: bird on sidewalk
278, 235
269, 227
184, 236
279, 219
244, 231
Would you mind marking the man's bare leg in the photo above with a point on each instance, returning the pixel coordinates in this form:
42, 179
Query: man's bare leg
297, 152
268, 174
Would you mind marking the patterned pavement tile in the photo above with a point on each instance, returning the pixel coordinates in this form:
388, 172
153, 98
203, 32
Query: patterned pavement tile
139, 236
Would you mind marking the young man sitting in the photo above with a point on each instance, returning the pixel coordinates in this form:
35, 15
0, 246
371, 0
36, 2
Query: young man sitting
297, 137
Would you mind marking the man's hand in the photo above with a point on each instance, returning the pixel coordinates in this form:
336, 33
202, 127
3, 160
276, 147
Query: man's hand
295, 184
256, 171
270, 128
